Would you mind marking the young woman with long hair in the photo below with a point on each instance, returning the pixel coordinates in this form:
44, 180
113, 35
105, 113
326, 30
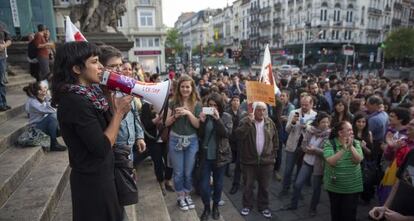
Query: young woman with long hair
183, 114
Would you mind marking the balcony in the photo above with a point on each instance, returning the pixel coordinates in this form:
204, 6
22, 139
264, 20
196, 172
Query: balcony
254, 35
398, 6
265, 10
277, 37
278, 6
264, 39
264, 24
254, 10
387, 8
371, 31
277, 21
255, 21
396, 22
374, 11
406, 2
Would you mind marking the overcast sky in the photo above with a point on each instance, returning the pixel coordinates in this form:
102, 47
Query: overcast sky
171, 9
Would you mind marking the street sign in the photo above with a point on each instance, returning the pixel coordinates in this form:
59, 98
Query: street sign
348, 50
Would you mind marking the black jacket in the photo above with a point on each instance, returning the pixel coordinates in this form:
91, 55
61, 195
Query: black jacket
94, 195
223, 128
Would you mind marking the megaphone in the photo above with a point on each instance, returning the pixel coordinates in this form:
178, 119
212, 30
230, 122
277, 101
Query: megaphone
154, 93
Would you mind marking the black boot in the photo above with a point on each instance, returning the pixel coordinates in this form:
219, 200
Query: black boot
55, 146
234, 189
206, 213
228, 173
216, 212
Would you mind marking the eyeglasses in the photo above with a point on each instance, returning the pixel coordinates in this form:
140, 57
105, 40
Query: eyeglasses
114, 66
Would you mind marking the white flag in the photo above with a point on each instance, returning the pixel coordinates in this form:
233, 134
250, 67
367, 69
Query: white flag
72, 32
266, 74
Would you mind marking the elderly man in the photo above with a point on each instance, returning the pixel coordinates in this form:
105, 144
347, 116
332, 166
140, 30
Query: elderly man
259, 144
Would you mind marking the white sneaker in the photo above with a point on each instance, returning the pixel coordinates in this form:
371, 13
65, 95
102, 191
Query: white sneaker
189, 202
221, 203
182, 204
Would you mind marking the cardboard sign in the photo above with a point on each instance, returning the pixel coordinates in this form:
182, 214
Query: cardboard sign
257, 91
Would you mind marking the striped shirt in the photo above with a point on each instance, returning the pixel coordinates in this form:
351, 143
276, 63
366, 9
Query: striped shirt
348, 174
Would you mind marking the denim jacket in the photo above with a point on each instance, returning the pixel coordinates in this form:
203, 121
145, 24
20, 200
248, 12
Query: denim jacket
129, 130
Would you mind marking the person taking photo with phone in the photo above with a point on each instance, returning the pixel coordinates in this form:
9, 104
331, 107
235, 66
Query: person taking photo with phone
215, 152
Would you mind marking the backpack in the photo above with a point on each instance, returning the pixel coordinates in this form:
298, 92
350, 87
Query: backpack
32, 50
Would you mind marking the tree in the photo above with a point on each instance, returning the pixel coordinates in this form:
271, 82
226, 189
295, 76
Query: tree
172, 41
400, 44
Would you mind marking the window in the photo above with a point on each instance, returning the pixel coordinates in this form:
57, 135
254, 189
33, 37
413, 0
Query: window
349, 16
64, 1
144, 2
349, 13
322, 34
146, 18
362, 15
347, 35
335, 35
147, 42
324, 14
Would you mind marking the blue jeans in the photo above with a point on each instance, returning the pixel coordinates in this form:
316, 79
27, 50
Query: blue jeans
3, 101
208, 167
291, 158
49, 125
182, 161
304, 174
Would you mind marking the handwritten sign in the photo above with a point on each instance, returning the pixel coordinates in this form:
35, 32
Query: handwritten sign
257, 91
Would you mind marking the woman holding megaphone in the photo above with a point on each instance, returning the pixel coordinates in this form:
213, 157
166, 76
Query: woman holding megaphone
183, 118
89, 127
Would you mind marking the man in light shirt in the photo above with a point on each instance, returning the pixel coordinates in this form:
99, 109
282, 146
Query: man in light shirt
258, 146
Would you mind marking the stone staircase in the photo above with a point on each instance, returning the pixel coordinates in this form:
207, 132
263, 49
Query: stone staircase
152, 205
19, 76
34, 184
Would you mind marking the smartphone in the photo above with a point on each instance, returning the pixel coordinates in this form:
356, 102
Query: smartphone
208, 110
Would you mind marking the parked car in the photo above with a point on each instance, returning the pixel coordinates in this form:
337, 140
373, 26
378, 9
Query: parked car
288, 69
319, 68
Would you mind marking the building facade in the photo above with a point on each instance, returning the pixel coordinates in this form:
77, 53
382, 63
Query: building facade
142, 23
323, 26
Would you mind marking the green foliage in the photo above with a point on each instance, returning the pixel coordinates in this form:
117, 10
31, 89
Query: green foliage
400, 44
172, 41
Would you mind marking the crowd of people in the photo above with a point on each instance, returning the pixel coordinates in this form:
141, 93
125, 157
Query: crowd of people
352, 136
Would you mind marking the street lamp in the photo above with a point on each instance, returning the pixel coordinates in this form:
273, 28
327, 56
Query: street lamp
307, 25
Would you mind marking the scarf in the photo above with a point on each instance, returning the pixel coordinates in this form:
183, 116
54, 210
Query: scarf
91, 93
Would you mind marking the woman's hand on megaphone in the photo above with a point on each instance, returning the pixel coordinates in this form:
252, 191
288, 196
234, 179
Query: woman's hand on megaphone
121, 105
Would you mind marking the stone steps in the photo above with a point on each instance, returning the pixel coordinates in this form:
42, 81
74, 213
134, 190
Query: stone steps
19, 83
151, 205
16, 99
11, 129
15, 164
40, 192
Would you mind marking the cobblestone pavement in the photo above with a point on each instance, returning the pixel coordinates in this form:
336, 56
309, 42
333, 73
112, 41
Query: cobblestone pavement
323, 213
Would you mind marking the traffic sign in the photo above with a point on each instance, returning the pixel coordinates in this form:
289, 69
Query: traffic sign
348, 50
